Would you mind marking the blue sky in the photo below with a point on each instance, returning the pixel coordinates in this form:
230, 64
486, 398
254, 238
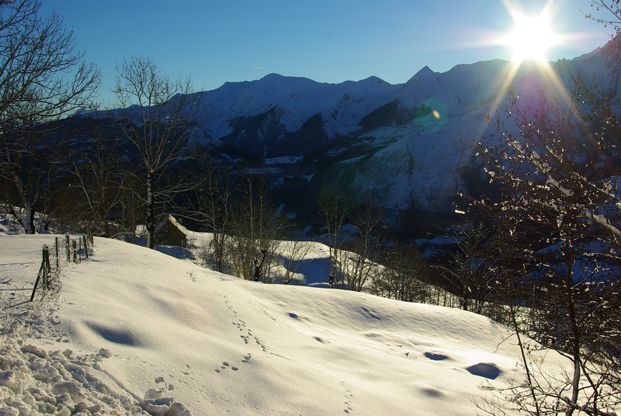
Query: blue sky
326, 40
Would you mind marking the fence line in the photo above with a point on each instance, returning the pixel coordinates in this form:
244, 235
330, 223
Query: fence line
75, 250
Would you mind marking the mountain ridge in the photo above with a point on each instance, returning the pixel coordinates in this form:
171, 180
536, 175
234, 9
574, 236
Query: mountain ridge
409, 143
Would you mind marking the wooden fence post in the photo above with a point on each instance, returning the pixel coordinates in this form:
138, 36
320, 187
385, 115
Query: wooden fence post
44, 271
74, 246
34, 289
85, 246
68, 247
45, 260
47, 267
56, 250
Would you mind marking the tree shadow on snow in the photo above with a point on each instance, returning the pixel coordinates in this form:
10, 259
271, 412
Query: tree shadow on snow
315, 271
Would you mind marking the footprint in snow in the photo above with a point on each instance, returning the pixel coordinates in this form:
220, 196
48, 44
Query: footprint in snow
348, 400
225, 365
164, 386
431, 392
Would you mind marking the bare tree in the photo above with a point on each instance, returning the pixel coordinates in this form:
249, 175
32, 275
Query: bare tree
256, 232
607, 13
560, 216
42, 78
356, 265
468, 273
100, 181
401, 276
334, 208
216, 206
156, 119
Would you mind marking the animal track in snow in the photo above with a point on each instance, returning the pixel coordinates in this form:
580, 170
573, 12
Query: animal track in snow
226, 365
348, 400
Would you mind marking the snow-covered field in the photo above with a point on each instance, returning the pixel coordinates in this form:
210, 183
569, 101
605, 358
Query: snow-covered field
132, 324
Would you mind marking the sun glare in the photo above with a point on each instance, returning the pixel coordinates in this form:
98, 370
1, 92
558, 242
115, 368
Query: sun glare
531, 38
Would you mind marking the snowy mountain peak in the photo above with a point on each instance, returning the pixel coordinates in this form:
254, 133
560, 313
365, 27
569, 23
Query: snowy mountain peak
424, 73
373, 80
287, 81
272, 75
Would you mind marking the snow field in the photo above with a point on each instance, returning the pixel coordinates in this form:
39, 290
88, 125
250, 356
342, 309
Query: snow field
151, 327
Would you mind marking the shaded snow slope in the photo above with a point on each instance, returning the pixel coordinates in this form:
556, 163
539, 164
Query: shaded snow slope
221, 346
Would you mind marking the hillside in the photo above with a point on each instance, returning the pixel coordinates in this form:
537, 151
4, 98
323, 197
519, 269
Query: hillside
137, 320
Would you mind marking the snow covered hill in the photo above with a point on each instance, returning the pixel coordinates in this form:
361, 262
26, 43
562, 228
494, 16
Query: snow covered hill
132, 324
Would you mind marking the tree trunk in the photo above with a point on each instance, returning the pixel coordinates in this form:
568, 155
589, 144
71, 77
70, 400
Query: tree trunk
573, 325
149, 215
27, 218
106, 227
28, 221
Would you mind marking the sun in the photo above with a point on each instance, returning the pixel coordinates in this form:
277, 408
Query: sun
531, 39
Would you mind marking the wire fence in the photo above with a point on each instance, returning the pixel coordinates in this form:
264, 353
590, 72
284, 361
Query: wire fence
76, 249
17, 292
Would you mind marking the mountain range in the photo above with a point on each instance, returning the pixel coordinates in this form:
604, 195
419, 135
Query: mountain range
401, 146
